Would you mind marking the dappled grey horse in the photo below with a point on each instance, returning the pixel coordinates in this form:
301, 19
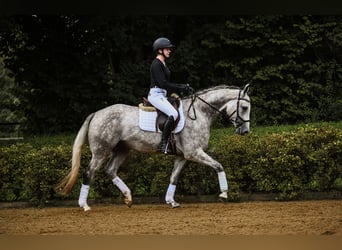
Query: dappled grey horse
114, 131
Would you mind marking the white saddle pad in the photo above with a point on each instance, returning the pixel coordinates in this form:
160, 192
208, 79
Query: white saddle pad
148, 116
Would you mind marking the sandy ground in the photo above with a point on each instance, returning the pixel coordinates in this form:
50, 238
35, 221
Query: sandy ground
247, 218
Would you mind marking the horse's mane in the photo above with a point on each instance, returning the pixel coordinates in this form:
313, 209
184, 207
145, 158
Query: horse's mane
204, 91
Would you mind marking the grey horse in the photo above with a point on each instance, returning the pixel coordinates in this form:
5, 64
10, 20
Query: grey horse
114, 131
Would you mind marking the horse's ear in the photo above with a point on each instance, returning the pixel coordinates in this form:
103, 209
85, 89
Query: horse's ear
245, 89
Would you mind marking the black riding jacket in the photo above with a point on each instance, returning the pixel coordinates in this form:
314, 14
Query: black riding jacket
160, 75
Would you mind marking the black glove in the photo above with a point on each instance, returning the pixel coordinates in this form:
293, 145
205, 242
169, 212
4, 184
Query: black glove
189, 89
185, 89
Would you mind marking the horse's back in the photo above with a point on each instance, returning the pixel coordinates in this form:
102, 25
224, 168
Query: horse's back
108, 122
114, 112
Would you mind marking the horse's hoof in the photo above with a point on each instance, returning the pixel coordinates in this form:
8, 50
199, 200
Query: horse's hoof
84, 205
223, 196
128, 202
173, 204
86, 208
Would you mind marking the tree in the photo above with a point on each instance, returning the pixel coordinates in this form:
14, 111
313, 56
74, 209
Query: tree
292, 62
68, 66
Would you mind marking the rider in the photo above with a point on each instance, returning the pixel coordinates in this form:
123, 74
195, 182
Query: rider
161, 86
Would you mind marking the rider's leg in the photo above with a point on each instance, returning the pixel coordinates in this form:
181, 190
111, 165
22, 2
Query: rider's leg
168, 127
160, 102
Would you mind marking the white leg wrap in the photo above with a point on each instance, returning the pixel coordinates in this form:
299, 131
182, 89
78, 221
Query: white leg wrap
170, 193
82, 200
169, 197
124, 189
121, 185
223, 181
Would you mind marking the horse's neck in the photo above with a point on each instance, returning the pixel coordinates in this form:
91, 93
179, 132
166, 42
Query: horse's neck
216, 99
219, 98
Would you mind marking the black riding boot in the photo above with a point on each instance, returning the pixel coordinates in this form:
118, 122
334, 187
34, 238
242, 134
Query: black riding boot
168, 127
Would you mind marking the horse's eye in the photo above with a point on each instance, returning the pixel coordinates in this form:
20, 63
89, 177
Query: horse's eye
244, 108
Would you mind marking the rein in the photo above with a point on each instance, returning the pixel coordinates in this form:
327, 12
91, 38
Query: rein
228, 117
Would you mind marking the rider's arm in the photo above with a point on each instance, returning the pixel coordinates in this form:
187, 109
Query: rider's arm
160, 75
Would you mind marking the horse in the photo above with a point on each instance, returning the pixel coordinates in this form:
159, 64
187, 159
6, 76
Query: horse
113, 132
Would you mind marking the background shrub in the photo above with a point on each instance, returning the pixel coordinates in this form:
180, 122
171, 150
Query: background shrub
287, 164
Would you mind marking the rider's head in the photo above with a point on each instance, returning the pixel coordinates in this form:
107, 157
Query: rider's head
160, 44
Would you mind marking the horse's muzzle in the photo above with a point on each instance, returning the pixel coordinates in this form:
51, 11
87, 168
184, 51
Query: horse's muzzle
242, 130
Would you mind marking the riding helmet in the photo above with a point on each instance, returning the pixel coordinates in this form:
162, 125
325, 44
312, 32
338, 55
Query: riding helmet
162, 43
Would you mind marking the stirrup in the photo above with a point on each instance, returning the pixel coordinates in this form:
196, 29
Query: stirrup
165, 150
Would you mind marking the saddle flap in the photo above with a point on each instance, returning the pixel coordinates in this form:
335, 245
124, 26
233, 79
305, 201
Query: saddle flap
153, 120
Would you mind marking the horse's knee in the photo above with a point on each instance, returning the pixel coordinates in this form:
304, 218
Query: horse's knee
219, 168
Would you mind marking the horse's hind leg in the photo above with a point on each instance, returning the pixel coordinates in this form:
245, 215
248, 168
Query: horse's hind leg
178, 166
119, 156
88, 176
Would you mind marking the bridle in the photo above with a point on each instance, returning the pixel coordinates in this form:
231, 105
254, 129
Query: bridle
239, 121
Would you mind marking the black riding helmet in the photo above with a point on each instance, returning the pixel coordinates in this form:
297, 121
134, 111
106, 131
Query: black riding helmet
162, 43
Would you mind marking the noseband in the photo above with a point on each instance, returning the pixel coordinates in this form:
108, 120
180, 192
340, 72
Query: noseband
238, 119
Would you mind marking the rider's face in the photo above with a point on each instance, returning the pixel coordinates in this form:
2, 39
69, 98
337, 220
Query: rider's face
167, 52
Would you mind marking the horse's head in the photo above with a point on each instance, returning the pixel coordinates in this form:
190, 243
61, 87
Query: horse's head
238, 111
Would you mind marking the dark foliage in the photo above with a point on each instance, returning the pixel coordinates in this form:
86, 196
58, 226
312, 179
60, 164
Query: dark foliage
66, 67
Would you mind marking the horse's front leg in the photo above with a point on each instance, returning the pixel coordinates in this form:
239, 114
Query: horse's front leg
170, 193
201, 157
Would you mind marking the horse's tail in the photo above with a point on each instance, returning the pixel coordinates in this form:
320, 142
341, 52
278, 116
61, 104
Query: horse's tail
65, 186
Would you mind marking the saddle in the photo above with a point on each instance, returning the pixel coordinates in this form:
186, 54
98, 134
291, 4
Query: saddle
162, 117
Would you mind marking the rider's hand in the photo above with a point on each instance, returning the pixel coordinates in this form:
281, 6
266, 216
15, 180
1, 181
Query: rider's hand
185, 89
189, 89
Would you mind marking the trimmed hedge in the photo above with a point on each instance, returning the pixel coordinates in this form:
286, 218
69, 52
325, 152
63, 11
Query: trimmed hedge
286, 164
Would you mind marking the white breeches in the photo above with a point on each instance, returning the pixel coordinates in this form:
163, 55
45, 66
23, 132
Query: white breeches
157, 97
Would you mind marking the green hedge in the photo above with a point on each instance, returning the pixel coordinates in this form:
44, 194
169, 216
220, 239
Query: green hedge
286, 164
